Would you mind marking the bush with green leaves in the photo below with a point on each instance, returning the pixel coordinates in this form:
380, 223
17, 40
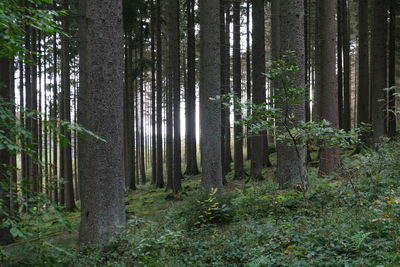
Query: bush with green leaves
204, 208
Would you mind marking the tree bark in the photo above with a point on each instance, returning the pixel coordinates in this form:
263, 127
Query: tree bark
66, 99
141, 95
346, 65
101, 166
160, 169
5, 157
330, 156
291, 159
248, 75
191, 149
227, 88
363, 63
379, 38
237, 88
392, 70
258, 60
210, 84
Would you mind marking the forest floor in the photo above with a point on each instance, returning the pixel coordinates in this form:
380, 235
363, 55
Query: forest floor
352, 219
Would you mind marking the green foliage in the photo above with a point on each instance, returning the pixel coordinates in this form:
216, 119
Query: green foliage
276, 114
353, 221
204, 209
31, 227
42, 218
14, 17
347, 222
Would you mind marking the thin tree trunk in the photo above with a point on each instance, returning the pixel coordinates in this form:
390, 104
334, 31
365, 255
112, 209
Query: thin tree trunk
379, 38
54, 177
68, 184
259, 98
5, 234
174, 61
191, 149
248, 74
223, 72
160, 169
227, 88
153, 98
363, 63
329, 156
237, 88
392, 70
346, 66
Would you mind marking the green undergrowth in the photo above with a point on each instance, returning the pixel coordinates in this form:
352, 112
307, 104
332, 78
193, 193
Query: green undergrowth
352, 219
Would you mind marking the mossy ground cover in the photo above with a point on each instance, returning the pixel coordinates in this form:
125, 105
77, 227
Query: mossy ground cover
352, 219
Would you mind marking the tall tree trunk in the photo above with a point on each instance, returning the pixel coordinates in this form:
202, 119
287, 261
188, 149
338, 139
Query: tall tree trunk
346, 65
363, 63
392, 70
248, 74
210, 84
339, 60
227, 89
28, 182
160, 169
237, 88
153, 97
291, 158
259, 98
22, 121
128, 119
329, 157
101, 166
316, 109
141, 95
13, 157
54, 177
379, 38
40, 118
5, 234
191, 149
66, 111
174, 61
223, 72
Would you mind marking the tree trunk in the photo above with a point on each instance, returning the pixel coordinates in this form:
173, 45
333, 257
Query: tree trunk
379, 38
5, 235
66, 99
329, 157
363, 63
141, 95
223, 71
258, 60
291, 158
210, 84
160, 169
191, 149
227, 90
346, 65
101, 166
392, 70
237, 88
54, 177
174, 60
153, 97
248, 75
